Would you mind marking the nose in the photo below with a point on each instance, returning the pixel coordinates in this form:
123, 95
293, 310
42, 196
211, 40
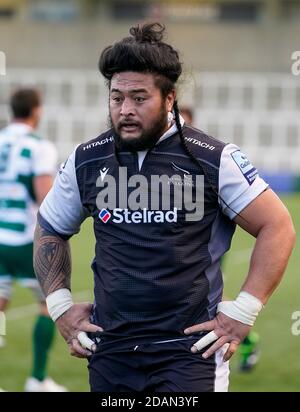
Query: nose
127, 108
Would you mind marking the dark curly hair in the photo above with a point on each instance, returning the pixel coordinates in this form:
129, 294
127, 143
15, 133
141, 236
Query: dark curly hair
143, 51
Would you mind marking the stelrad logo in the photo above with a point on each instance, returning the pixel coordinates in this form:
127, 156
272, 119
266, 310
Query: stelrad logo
143, 216
104, 215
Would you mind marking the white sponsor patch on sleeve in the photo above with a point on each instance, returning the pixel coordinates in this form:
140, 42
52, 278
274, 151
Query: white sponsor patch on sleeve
248, 170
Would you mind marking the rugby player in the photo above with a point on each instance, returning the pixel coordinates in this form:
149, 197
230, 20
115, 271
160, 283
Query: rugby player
27, 166
157, 322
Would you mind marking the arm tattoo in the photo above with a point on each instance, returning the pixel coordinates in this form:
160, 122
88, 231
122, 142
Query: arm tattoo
52, 261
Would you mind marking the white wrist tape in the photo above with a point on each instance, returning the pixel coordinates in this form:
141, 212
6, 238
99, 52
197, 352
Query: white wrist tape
58, 303
244, 309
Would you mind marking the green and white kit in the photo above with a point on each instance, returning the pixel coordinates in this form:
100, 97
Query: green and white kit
23, 156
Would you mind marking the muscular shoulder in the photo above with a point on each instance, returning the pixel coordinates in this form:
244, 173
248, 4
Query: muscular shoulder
205, 147
97, 148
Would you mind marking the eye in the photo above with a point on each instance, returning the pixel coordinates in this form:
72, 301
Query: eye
139, 99
116, 99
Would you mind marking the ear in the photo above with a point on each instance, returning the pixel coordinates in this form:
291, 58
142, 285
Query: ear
170, 99
36, 115
37, 112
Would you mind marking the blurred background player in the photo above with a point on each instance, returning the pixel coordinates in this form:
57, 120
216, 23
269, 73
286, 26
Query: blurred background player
27, 164
188, 115
248, 350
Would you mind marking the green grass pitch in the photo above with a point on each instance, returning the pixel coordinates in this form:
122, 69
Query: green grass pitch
279, 367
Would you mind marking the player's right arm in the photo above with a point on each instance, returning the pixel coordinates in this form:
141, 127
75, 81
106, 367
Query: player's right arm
44, 168
52, 260
60, 216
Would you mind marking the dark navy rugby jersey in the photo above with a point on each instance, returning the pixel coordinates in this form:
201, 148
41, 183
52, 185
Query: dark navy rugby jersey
155, 272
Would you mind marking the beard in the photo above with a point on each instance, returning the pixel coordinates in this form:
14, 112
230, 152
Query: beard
148, 137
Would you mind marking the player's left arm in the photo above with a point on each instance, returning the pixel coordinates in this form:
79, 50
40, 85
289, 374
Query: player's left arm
269, 221
246, 199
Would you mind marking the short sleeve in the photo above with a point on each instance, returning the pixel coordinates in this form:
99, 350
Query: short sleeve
44, 158
62, 207
239, 181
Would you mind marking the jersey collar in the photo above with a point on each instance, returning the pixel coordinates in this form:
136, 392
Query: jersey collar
172, 130
19, 128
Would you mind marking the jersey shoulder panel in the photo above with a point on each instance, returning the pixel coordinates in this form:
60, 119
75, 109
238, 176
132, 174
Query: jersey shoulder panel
30, 141
203, 146
100, 147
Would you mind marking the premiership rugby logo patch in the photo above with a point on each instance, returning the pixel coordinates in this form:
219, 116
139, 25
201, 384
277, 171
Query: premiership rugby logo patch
250, 172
